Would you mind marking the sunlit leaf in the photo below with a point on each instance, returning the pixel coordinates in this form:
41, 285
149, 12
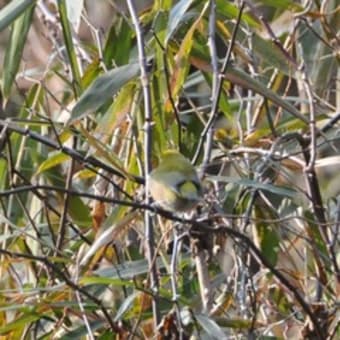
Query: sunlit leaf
182, 65
282, 4
19, 323
231, 10
54, 159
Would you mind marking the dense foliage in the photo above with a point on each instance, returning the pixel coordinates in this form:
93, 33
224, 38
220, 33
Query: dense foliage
93, 93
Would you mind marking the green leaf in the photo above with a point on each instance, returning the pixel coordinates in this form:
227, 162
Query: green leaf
200, 59
100, 280
176, 16
82, 331
126, 305
14, 49
117, 112
211, 327
55, 158
19, 323
3, 173
256, 185
243, 79
117, 53
71, 52
104, 153
272, 55
264, 49
268, 238
129, 269
230, 10
78, 210
13, 10
182, 65
314, 230
102, 89
282, 4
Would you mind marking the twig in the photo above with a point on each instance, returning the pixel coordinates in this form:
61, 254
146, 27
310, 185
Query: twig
203, 279
312, 130
309, 147
331, 122
34, 188
274, 38
64, 214
216, 99
215, 81
84, 316
149, 232
177, 243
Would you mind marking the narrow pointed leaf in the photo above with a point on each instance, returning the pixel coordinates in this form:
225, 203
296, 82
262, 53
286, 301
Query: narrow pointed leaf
70, 48
54, 159
13, 10
211, 327
103, 89
14, 50
256, 185
176, 15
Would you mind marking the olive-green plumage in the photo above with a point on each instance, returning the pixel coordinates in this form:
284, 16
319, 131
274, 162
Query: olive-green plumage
174, 184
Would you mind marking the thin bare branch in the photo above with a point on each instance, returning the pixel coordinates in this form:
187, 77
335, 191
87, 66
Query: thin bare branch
149, 232
219, 86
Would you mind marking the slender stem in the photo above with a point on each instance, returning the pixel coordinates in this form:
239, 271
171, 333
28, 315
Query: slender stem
215, 80
177, 243
149, 232
63, 219
216, 98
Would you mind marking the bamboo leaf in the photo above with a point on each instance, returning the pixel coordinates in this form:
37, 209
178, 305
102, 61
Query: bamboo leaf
13, 10
102, 90
211, 327
177, 15
256, 185
15, 49
70, 48
54, 159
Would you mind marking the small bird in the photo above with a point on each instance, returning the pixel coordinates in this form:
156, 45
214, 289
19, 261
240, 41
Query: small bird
174, 184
